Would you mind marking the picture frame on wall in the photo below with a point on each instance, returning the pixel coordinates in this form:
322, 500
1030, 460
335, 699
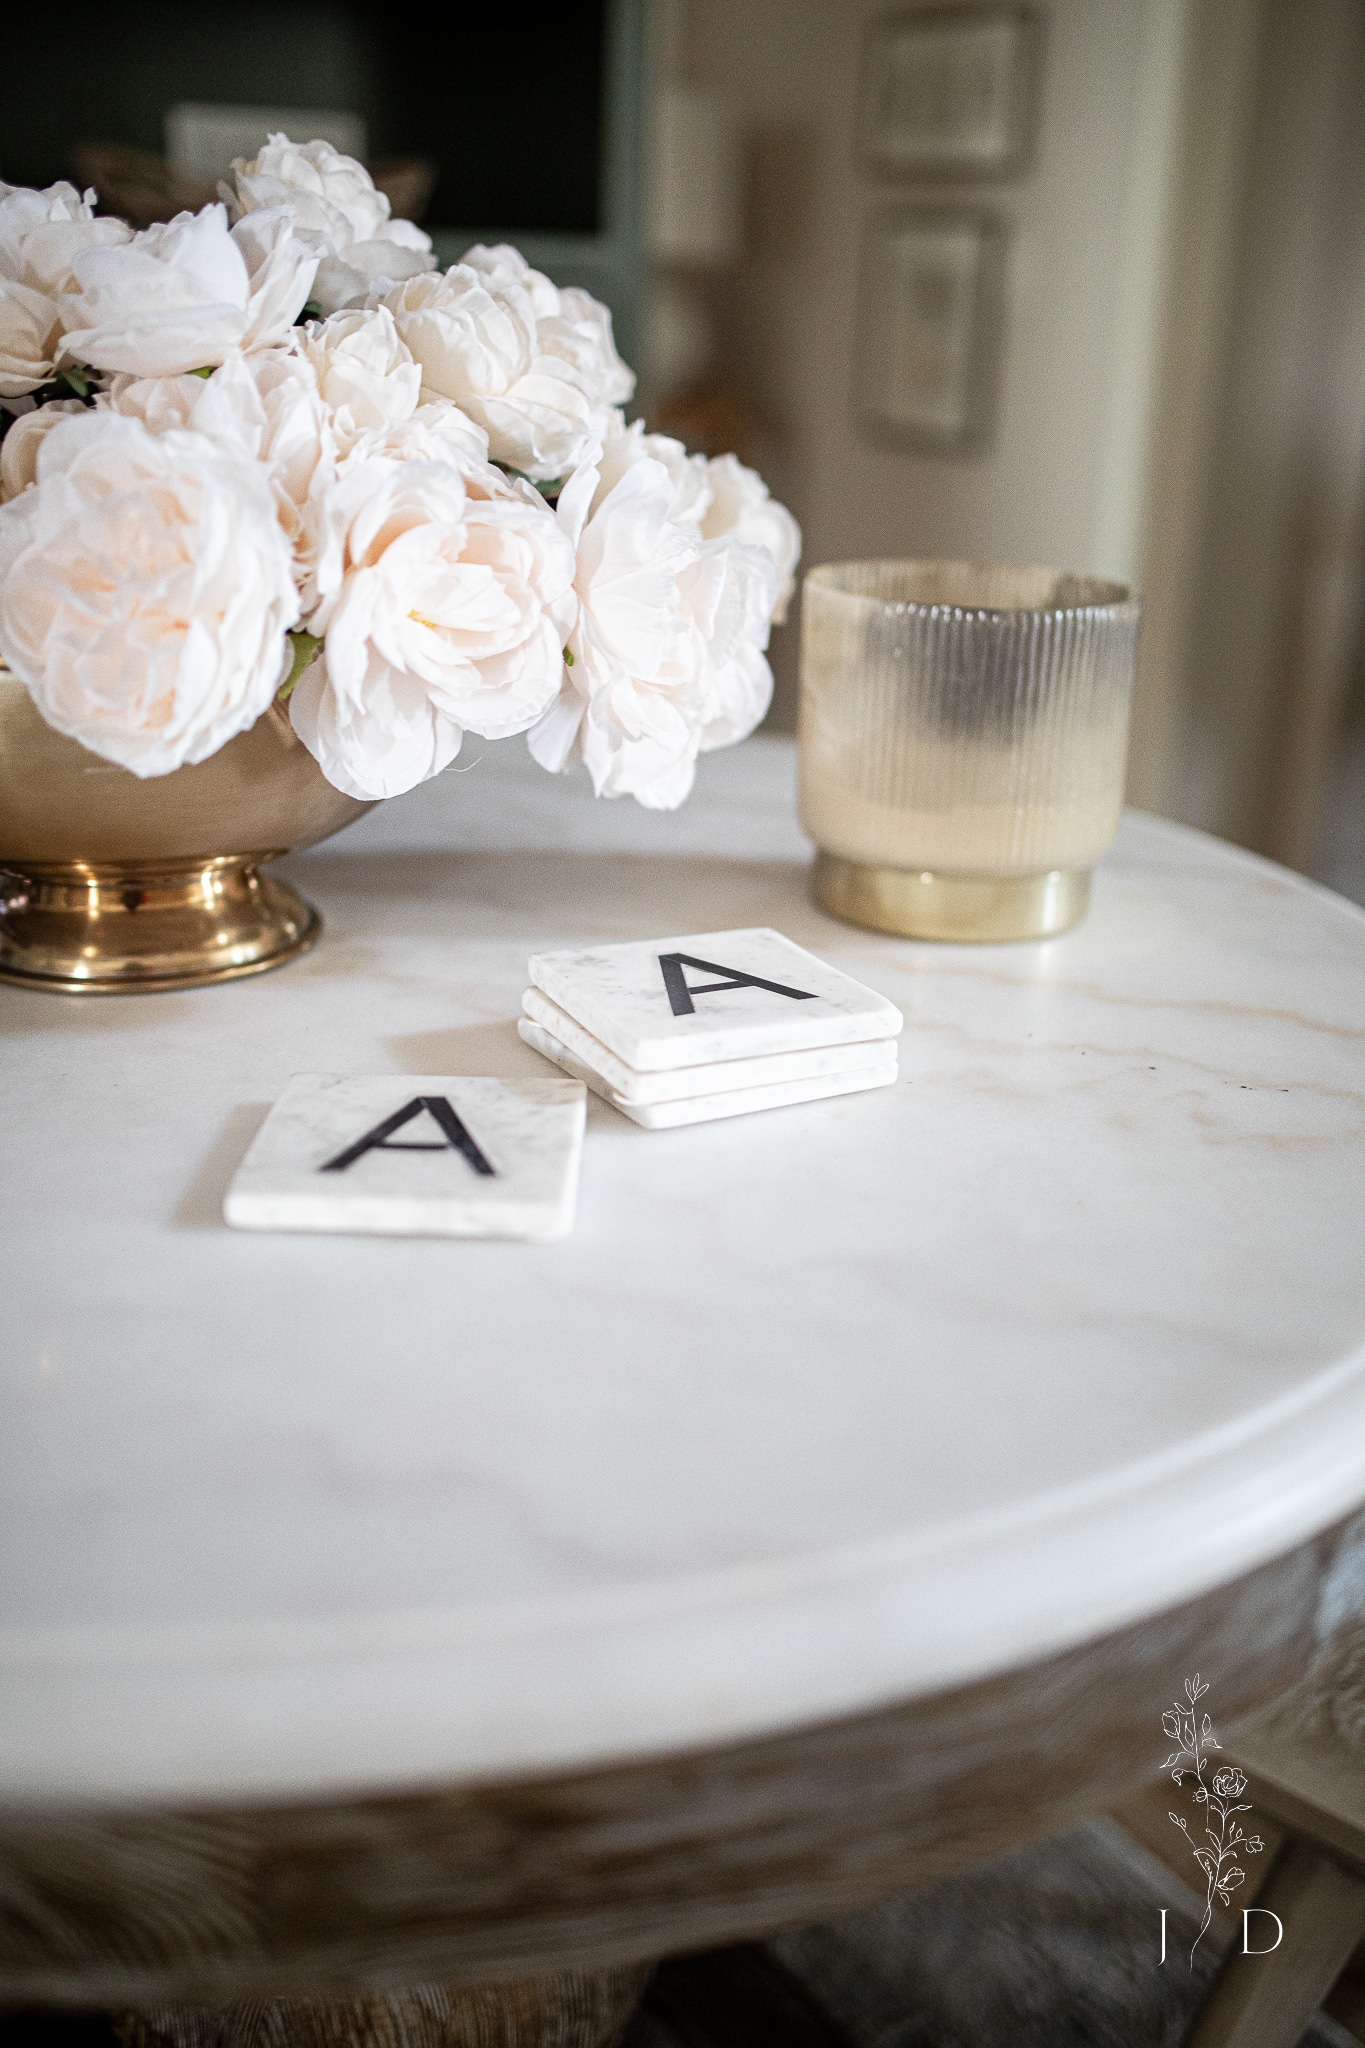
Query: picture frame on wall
948, 92
929, 328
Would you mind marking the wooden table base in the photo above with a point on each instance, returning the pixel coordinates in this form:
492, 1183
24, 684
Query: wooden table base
573, 2009
258, 1913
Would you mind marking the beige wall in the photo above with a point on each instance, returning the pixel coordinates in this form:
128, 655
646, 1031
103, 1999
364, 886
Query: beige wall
1274, 569
1066, 480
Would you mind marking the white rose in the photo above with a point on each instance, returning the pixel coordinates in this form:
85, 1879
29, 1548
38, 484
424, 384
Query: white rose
226, 406
731, 592
263, 407
742, 510
442, 614
535, 366
633, 700
692, 491
572, 327
439, 432
668, 647
19, 449
145, 591
186, 293
365, 375
366, 269
30, 338
26, 434
299, 448
41, 233
340, 213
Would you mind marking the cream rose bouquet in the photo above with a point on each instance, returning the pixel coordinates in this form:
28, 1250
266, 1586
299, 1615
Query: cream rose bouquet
269, 451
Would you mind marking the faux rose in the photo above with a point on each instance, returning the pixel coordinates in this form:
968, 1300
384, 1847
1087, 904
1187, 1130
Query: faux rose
264, 407
722, 498
365, 375
741, 509
692, 491
442, 614
41, 233
339, 212
145, 591
19, 449
439, 432
535, 366
30, 338
186, 293
732, 591
667, 650
632, 700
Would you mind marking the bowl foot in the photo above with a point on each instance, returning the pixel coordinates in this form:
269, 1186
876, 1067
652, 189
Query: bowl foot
130, 927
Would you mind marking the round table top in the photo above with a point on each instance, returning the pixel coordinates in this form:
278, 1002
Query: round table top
815, 1410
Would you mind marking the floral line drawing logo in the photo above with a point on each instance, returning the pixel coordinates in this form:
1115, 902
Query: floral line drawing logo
1224, 1838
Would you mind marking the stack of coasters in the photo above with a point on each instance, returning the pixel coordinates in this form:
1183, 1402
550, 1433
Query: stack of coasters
680, 1031
414, 1155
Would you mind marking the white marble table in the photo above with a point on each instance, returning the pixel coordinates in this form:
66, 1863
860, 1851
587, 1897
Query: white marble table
816, 1412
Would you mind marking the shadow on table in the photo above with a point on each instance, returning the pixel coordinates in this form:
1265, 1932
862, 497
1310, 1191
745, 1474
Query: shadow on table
201, 1205
491, 1048
579, 896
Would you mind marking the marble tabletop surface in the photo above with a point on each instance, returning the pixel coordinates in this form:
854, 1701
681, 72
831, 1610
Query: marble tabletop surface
815, 1409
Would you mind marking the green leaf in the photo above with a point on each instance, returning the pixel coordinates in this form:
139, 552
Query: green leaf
549, 489
78, 380
306, 646
207, 370
568, 656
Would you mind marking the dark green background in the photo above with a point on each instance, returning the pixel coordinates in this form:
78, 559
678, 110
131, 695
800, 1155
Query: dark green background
507, 99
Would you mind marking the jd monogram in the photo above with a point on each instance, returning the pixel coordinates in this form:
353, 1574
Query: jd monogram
1219, 1801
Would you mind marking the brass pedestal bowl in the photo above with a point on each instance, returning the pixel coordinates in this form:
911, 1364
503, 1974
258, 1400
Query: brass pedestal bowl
111, 885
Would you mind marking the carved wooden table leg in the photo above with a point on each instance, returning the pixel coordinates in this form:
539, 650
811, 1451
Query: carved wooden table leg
573, 2009
1267, 2003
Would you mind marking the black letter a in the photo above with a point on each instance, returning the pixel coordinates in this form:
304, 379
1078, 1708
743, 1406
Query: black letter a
457, 1138
680, 996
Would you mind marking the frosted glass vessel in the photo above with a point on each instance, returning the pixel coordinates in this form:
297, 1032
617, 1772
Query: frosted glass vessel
963, 738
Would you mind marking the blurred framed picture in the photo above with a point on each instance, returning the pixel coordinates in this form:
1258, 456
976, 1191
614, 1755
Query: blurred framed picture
929, 328
947, 92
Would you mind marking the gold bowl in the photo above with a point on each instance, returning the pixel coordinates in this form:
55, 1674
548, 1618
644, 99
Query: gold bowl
112, 885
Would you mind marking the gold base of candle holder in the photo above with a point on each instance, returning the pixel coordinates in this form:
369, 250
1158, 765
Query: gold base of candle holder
916, 903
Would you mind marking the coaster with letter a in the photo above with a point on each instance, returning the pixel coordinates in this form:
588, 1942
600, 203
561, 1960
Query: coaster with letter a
662, 1003
404, 1155
680, 1031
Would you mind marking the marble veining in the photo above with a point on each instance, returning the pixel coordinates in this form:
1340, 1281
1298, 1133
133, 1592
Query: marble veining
479, 1158
813, 1411
704, 1105
621, 995
624, 1083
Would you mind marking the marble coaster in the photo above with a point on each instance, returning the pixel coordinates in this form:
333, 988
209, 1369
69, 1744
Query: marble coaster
414, 1155
716, 1079
665, 1003
705, 1109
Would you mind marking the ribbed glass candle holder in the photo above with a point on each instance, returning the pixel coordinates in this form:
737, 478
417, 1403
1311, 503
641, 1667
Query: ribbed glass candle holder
963, 739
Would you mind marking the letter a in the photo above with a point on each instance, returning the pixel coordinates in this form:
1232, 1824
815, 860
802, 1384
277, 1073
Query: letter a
1247, 1912
680, 996
380, 1139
